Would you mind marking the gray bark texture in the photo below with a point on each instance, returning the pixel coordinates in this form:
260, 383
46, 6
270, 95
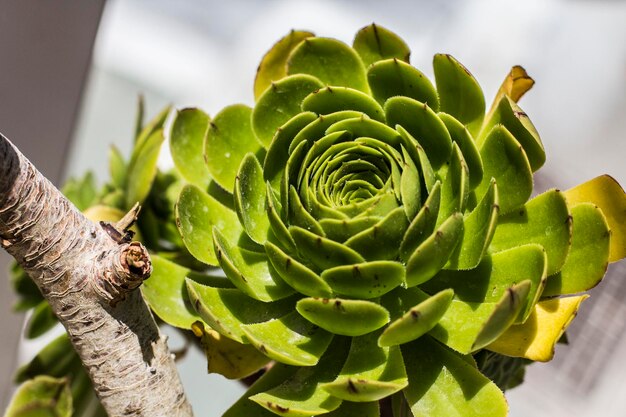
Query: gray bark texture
90, 280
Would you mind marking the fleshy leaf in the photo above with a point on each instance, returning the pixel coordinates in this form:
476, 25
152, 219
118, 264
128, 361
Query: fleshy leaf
250, 271
422, 225
294, 273
370, 373
117, 169
365, 280
544, 220
291, 339
423, 124
279, 103
277, 153
40, 321
609, 196
342, 316
478, 230
390, 230
340, 230
432, 254
418, 320
467, 326
331, 61
442, 383
513, 118
495, 275
273, 66
505, 161
166, 292
392, 78
142, 168
537, 337
152, 126
227, 309
250, 199
321, 251
196, 214
299, 394
187, 145
515, 85
42, 396
459, 92
333, 99
228, 140
227, 357
587, 259
461, 136
375, 43
455, 187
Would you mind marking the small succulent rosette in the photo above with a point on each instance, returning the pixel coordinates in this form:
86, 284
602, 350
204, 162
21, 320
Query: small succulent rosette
377, 232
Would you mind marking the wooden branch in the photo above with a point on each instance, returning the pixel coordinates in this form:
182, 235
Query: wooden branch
90, 280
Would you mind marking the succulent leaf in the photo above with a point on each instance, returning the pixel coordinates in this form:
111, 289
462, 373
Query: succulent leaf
375, 43
343, 316
187, 137
42, 396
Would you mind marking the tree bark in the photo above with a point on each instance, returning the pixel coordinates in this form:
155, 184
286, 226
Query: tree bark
90, 280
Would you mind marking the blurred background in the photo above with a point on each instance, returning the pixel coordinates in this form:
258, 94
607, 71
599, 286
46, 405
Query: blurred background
71, 71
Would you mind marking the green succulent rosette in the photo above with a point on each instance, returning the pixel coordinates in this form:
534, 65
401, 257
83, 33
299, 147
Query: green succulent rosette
377, 232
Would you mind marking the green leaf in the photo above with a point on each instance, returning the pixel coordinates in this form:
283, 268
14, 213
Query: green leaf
365, 280
423, 224
423, 124
455, 187
418, 320
187, 137
244, 407
299, 394
588, 257
392, 78
277, 153
154, 125
139, 117
228, 140
280, 103
544, 220
479, 228
317, 129
469, 326
27, 292
340, 230
370, 373
323, 252
461, 136
333, 99
196, 215
42, 396
142, 168
390, 230
331, 61
505, 161
495, 275
250, 199
432, 254
117, 170
291, 339
297, 275
608, 195
41, 320
365, 127
459, 93
227, 309
248, 270
166, 293
342, 316
273, 66
410, 188
513, 118
375, 43
55, 359
442, 383
352, 409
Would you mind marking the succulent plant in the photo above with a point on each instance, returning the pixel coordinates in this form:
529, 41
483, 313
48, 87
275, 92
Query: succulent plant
377, 232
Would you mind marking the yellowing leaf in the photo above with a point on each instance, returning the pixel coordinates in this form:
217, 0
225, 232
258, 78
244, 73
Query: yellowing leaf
536, 338
609, 196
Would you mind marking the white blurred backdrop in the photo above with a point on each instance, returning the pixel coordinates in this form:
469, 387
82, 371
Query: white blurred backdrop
204, 53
